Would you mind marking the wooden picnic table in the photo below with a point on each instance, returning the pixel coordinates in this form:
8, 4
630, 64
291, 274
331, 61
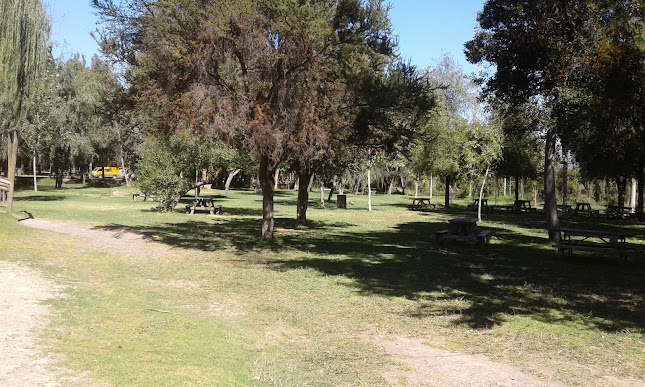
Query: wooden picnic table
523, 205
203, 203
617, 211
464, 229
475, 204
585, 208
608, 242
564, 208
421, 203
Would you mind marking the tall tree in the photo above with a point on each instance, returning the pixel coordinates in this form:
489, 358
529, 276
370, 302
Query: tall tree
24, 34
271, 77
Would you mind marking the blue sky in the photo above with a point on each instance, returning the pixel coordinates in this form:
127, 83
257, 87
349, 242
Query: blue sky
426, 28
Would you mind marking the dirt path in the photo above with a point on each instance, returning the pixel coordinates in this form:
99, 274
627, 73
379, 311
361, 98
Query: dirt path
22, 312
435, 367
125, 242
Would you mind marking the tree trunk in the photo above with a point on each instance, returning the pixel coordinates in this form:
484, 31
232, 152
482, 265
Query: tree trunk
517, 188
258, 184
275, 178
416, 189
470, 189
267, 174
446, 199
331, 190
125, 172
403, 183
504, 186
12, 156
481, 195
229, 179
34, 168
369, 184
390, 187
640, 196
621, 183
322, 194
431, 185
632, 196
565, 179
303, 199
550, 199
311, 182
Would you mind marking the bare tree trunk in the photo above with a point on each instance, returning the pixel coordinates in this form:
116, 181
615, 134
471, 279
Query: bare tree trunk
517, 188
267, 174
470, 189
331, 190
403, 184
565, 178
481, 195
118, 132
322, 194
431, 185
390, 187
550, 199
303, 199
369, 183
632, 196
621, 183
446, 198
505, 186
416, 189
640, 196
311, 182
277, 175
34, 168
229, 179
12, 156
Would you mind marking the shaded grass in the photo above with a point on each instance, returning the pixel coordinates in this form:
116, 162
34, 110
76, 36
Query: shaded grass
298, 304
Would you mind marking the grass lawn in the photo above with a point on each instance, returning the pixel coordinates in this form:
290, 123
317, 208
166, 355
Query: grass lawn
218, 306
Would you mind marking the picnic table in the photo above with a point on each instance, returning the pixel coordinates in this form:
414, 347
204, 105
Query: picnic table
421, 204
563, 208
607, 242
523, 205
464, 229
617, 211
585, 208
475, 204
204, 203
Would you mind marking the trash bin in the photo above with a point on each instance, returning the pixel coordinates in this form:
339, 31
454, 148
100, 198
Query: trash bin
341, 201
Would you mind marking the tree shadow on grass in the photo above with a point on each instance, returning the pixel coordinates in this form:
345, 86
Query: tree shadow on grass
39, 198
518, 274
216, 233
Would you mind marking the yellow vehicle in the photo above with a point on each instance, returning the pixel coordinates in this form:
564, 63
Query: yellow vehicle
110, 173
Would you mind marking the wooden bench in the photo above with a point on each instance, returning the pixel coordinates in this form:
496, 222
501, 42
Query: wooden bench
483, 238
593, 248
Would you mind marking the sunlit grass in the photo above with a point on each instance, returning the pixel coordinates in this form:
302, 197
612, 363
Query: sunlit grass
295, 312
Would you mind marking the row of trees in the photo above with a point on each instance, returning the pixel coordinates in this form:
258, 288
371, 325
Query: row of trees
574, 73
315, 88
